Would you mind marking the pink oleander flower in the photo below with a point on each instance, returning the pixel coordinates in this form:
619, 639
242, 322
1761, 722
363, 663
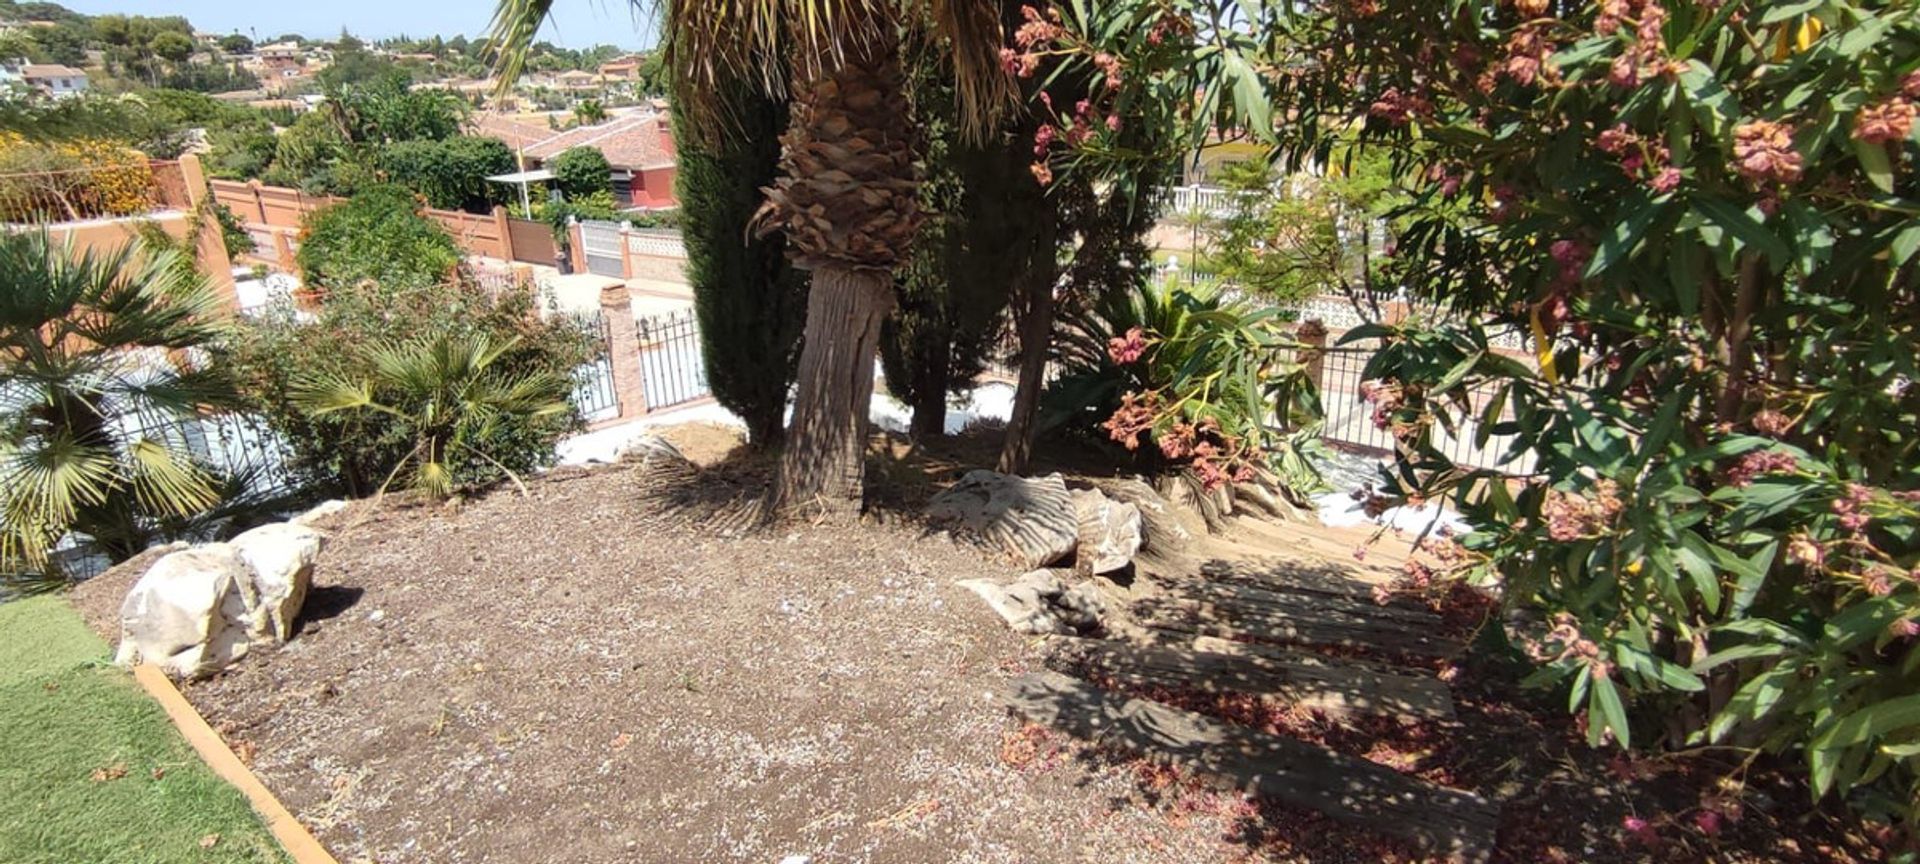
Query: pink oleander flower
1905, 628
1043, 138
1625, 71
1910, 85
1804, 551
1110, 65
1771, 423
1666, 181
1113, 122
1615, 140
1761, 462
1127, 348
1572, 256
1042, 172
1763, 152
1884, 122
1709, 822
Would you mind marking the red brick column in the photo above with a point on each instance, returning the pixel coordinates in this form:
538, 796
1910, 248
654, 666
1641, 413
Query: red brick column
506, 236
623, 350
211, 247
1313, 333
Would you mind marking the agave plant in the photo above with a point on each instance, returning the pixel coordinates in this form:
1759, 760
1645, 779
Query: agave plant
1214, 388
453, 398
97, 358
847, 199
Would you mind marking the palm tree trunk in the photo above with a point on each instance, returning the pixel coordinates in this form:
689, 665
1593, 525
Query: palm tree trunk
1036, 345
824, 462
930, 396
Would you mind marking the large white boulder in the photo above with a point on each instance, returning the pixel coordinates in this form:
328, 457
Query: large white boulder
1030, 520
1109, 532
188, 613
281, 556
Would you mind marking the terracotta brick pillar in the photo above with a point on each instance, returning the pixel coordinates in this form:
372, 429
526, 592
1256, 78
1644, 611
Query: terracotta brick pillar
211, 247
626, 251
506, 236
623, 349
1313, 333
283, 251
576, 248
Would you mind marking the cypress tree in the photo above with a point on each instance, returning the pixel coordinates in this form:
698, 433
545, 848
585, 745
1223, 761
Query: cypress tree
751, 304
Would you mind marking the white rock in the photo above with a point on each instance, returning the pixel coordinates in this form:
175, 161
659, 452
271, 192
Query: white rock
281, 556
320, 511
1109, 533
188, 613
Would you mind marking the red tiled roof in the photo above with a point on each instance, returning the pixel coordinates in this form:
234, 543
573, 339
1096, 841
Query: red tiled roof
632, 141
517, 133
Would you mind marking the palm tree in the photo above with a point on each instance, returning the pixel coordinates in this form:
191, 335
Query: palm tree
96, 366
451, 395
588, 112
846, 197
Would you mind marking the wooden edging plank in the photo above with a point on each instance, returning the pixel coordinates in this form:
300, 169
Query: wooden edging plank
1331, 685
1434, 818
299, 844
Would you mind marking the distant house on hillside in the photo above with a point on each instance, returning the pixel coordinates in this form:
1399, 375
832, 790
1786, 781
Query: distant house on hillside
638, 147
51, 79
625, 68
575, 79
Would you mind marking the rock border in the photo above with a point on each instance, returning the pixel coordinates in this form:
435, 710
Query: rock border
294, 838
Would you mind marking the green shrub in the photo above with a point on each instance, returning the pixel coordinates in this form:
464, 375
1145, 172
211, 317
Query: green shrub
363, 334
379, 235
580, 172
450, 173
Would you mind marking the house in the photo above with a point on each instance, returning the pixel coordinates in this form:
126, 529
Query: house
625, 68
575, 79
51, 79
638, 146
288, 51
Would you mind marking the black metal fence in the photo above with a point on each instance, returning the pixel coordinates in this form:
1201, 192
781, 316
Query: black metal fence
671, 369
1349, 416
593, 391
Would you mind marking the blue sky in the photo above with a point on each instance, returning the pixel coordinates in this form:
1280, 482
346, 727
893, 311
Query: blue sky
576, 23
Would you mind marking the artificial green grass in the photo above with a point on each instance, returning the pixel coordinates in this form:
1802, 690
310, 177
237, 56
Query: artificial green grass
91, 770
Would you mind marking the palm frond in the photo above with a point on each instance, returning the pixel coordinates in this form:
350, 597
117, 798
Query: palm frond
166, 483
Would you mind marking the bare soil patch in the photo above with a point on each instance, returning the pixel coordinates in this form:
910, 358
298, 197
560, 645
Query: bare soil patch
574, 676
613, 671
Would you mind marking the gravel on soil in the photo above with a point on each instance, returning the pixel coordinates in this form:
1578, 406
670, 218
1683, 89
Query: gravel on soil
573, 677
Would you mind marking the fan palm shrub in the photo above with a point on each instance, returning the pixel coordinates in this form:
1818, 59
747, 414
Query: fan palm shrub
458, 403
98, 350
279, 358
847, 196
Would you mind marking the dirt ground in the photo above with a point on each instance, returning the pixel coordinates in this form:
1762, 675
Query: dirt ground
585, 676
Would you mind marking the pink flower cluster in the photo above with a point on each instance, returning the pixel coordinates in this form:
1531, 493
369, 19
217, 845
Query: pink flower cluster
1528, 50
1128, 348
1763, 152
1761, 462
1771, 423
1641, 158
1400, 108
1386, 397
1885, 122
1645, 55
1136, 414
1570, 516
1851, 508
